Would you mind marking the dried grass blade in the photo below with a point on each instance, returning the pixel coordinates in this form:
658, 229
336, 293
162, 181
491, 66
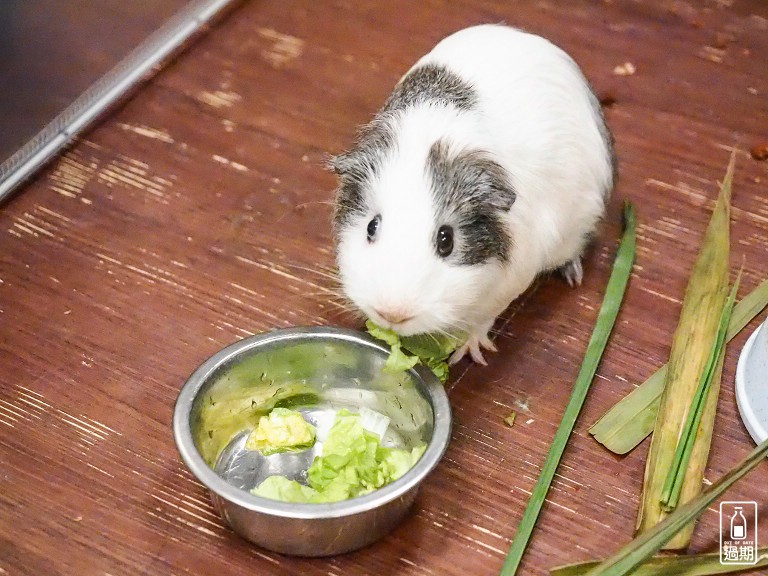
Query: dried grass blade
713, 370
631, 419
705, 297
691, 565
626, 560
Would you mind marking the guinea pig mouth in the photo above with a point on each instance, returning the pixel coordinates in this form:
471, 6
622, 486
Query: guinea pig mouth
394, 316
401, 321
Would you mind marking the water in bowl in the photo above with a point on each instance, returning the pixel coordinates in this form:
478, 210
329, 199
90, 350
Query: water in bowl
246, 469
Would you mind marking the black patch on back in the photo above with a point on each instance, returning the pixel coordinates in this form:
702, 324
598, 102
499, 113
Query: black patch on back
432, 83
610, 144
607, 136
472, 192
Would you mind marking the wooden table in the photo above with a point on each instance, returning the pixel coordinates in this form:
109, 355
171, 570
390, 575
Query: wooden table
199, 213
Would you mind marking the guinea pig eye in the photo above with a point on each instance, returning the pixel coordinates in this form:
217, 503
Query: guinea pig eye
444, 241
373, 227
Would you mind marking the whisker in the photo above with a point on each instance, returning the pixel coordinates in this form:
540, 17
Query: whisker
346, 309
311, 202
499, 335
352, 315
329, 273
327, 292
451, 329
330, 292
332, 300
317, 269
443, 332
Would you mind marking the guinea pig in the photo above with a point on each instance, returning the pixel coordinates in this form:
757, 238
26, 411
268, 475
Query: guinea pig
489, 164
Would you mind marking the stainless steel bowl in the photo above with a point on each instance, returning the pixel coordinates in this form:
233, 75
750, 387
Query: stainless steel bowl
317, 371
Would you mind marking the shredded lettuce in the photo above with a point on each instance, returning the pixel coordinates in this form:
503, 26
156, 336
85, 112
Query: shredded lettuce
373, 421
280, 488
282, 430
433, 350
353, 463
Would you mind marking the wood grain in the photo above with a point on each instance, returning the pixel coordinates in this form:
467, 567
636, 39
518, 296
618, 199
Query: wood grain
199, 213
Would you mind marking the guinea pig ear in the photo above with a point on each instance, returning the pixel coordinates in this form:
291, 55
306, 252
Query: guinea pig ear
500, 193
340, 164
469, 176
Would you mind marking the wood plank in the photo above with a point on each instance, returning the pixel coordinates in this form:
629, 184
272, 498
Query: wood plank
199, 213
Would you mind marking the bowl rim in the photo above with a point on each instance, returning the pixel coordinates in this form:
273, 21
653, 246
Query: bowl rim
182, 432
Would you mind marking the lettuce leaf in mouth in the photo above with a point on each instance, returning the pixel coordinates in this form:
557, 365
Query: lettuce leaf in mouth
432, 350
282, 430
353, 463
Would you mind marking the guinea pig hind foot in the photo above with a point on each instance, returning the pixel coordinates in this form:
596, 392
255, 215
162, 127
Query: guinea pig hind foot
573, 272
475, 344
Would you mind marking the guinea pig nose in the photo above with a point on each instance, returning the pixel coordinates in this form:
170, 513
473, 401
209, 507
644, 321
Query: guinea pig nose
394, 315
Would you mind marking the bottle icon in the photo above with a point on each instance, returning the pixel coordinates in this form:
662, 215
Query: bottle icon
738, 525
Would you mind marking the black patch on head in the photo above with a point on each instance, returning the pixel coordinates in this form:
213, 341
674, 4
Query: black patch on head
355, 167
472, 192
426, 84
432, 83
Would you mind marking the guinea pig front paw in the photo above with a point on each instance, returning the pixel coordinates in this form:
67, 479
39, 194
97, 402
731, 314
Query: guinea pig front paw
474, 345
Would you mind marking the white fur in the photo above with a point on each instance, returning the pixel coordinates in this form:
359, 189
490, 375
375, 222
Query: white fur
536, 118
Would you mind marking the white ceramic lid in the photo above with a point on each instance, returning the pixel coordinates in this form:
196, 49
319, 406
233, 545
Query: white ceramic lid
752, 384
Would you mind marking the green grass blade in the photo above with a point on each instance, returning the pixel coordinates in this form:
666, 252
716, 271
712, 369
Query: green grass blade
691, 565
614, 294
626, 560
674, 482
631, 419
